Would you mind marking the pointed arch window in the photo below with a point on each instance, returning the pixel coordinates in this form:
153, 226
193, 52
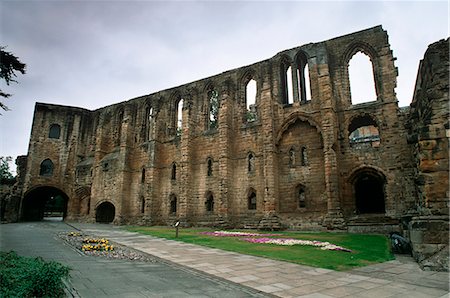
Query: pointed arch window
179, 114
46, 168
251, 163
286, 94
361, 78
54, 131
303, 80
213, 110
250, 100
209, 204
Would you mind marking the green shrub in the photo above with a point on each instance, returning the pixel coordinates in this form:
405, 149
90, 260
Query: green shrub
30, 277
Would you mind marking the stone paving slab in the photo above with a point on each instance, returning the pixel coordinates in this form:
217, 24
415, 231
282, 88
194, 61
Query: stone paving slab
398, 278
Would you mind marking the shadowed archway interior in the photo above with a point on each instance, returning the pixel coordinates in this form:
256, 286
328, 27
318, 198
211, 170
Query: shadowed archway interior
105, 213
369, 193
45, 201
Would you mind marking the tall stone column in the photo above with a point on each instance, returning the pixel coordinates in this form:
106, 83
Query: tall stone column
225, 143
185, 165
334, 218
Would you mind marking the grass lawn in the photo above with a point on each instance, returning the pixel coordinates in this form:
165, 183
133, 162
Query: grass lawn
366, 249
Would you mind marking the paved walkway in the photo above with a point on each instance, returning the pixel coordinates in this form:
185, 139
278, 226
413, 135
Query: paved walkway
100, 277
398, 278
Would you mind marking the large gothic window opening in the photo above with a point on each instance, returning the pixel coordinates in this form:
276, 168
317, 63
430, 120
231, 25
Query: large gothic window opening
213, 110
105, 213
303, 81
46, 168
179, 117
363, 133
250, 100
361, 77
369, 193
289, 86
54, 132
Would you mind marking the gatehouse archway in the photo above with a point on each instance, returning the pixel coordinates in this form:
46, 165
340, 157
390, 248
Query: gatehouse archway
44, 202
369, 192
105, 213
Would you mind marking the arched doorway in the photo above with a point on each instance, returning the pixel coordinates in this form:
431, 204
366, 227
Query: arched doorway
44, 202
369, 192
105, 213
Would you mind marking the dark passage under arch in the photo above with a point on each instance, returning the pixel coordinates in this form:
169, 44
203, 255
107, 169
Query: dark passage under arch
105, 213
369, 193
45, 201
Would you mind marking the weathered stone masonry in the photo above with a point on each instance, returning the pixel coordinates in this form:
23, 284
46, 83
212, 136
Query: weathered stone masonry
289, 160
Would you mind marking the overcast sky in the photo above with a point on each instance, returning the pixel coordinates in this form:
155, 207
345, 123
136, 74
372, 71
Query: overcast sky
92, 54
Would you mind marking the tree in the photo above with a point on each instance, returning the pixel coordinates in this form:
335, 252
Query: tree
9, 64
5, 172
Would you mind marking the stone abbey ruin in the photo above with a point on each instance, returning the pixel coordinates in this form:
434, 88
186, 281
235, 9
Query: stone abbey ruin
299, 155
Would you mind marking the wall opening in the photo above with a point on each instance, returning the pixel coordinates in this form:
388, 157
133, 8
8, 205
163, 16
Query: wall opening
142, 205
289, 86
209, 204
210, 167
361, 77
54, 132
363, 133
46, 168
105, 213
44, 203
179, 117
301, 196
173, 204
250, 163
174, 172
303, 82
252, 200
369, 193
213, 110
250, 100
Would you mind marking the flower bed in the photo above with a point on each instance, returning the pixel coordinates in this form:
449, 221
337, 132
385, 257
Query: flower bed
101, 247
290, 241
235, 234
263, 239
96, 244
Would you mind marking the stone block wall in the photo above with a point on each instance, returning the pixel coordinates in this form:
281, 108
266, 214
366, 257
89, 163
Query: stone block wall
429, 138
292, 164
